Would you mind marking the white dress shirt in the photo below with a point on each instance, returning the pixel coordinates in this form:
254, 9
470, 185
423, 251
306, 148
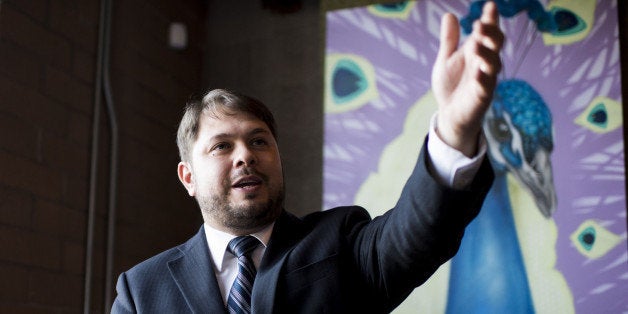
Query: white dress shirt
224, 262
451, 168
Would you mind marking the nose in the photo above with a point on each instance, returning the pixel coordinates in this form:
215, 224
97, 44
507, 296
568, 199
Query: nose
244, 156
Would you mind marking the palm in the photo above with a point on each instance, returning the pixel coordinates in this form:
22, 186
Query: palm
463, 78
460, 95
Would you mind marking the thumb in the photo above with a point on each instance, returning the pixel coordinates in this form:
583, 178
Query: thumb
449, 36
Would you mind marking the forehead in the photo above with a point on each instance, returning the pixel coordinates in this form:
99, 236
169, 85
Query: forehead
211, 124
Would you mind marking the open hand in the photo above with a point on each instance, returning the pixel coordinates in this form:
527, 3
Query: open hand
463, 78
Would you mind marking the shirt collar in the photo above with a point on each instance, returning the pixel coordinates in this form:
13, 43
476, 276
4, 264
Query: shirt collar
218, 240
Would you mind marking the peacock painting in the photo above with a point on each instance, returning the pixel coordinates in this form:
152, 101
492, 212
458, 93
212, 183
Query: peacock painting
488, 275
557, 209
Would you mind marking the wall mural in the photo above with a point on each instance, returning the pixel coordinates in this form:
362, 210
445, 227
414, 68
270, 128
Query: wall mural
551, 237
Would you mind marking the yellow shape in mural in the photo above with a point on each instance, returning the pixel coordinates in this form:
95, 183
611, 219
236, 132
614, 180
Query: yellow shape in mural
574, 18
537, 235
396, 10
537, 238
593, 240
349, 82
603, 115
381, 190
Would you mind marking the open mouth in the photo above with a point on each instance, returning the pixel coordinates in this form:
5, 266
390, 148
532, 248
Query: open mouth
247, 182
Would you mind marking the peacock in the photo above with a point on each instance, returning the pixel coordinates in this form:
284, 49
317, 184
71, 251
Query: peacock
545, 21
488, 275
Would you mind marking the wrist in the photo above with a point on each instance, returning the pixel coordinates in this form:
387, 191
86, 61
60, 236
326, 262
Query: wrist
464, 141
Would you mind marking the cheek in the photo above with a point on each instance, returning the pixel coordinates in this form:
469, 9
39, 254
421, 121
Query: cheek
274, 159
271, 162
277, 172
211, 175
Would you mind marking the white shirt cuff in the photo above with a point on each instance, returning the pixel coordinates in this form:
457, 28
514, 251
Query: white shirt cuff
451, 167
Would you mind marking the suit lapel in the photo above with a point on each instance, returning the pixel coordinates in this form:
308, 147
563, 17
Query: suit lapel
287, 232
195, 276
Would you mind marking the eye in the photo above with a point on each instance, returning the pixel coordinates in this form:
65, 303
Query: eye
349, 82
259, 142
574, 21
603, 115
500, 130
593, 240
220, 147
398, 10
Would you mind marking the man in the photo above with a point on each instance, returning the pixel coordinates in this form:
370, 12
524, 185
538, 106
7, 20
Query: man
335, 261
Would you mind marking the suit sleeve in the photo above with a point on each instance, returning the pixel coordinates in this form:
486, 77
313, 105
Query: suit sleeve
124, 301
401, 249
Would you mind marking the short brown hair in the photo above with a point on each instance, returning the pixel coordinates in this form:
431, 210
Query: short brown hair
218, 102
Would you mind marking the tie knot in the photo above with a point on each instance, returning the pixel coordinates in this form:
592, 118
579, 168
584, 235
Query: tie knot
242, 245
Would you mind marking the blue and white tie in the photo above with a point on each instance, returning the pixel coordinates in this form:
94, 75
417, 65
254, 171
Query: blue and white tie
239, 300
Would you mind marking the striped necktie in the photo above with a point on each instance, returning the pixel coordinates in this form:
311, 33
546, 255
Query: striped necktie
239, 300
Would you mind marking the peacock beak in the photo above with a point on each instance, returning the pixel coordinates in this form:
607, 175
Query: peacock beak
536, 176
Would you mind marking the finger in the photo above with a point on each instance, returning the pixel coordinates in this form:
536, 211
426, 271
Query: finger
481, 82
490, 36
485, 85
449, 36
488, 61
490, 65
481, 60
489, 14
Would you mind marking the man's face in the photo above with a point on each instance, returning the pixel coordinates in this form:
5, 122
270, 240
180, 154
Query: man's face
235, 173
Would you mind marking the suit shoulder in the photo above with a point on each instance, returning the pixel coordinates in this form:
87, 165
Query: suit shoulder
159, 263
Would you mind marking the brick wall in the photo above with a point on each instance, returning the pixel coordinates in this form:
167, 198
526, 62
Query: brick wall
277, 58
47, 68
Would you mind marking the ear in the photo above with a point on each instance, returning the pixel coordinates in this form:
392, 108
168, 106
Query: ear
184, 170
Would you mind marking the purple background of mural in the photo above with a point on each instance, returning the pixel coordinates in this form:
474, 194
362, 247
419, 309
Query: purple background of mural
585, 189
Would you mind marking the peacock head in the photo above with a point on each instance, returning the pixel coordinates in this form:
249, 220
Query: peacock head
518, 128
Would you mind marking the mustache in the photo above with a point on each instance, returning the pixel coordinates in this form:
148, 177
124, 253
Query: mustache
248, 171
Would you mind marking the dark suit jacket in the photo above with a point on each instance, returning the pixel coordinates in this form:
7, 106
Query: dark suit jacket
335, 261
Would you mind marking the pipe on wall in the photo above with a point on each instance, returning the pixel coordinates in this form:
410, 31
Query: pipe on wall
113, 167
102, 87
93, 173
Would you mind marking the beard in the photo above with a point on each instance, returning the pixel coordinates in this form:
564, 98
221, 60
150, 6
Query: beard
248, 217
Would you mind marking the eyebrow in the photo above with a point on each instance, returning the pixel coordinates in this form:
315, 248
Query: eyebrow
258, 131
225, 135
